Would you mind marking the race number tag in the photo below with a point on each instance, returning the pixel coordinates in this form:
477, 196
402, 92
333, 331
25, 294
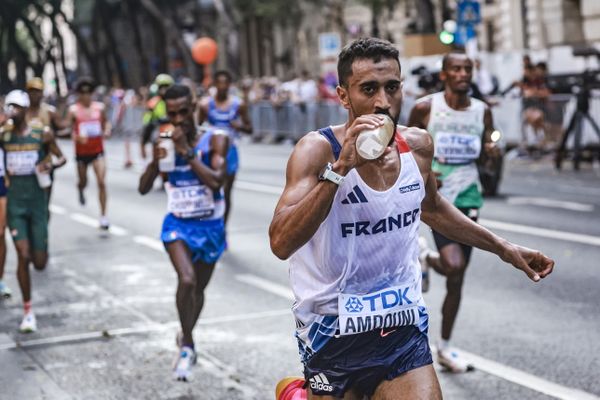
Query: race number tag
21, 162
90, 129
457, 148
458, 181
386, 308
190, 201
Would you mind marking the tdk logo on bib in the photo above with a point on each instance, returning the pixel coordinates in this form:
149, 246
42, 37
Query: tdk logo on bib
354, 305
387, 308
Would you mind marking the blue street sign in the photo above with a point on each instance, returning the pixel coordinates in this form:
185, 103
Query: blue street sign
463, 34
468, 12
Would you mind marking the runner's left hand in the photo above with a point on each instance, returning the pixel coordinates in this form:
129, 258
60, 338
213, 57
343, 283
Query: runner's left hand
535, 264
180, 139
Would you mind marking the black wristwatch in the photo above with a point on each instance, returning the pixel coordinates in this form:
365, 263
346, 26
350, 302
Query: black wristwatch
190, 155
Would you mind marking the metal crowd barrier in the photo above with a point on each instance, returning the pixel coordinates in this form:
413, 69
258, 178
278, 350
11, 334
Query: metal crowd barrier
292, 121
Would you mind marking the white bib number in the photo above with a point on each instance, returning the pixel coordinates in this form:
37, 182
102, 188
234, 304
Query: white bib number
190, 201
90, 129
21, 162
456, 148
388, 308
458, 181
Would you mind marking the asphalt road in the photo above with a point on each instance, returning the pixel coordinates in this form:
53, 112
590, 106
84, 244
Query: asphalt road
107, 318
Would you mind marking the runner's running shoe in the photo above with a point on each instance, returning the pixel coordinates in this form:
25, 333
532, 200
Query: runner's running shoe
452, 361
183, 366
28, 325
290, 388
5, 291
81, 198
104, 224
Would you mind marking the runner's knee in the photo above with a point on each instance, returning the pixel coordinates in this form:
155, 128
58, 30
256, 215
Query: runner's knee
187, 282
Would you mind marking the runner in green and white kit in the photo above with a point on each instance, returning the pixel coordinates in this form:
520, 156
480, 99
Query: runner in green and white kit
28, 165
461, 128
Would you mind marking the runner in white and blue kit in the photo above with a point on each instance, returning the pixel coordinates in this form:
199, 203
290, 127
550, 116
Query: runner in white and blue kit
349, 227
193, 231
231, 114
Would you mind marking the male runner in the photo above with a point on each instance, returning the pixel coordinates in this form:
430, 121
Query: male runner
230, 113
156, 112
193, 230
89, 123
26, 149
461, 127
38, 109
350, 229
43, 114
5, 291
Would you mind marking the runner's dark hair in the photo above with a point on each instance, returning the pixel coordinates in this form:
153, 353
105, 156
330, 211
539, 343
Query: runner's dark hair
369, 48
177, 91
449, 56
224, 73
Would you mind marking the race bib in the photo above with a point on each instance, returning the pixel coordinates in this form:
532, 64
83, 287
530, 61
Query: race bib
458, 181
386, 308
21, 162
90, 129
457, 148
190, 201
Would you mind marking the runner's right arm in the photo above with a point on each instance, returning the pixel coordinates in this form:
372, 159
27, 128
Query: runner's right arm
306, 200
151, 172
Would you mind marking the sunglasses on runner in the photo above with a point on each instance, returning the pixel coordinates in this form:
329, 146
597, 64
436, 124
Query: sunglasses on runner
182, 112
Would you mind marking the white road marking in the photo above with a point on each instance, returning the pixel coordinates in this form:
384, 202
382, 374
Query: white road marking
154, 327
505, 226
57, 209
258, 187
147, 241
118, 231
543, 202
547, 233
491, 367
84, 219
266, 285
524, 379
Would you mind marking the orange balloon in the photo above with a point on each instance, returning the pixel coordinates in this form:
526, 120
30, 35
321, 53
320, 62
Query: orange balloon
204, 50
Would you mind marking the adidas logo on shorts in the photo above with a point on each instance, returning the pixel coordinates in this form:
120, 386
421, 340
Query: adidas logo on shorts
320, 382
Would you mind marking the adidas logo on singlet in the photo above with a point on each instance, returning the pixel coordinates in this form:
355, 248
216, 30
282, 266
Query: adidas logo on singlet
320, 382
355, 196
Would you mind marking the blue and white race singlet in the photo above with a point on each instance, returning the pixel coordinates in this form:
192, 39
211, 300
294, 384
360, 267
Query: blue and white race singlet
222, 118
188, 196
360, 271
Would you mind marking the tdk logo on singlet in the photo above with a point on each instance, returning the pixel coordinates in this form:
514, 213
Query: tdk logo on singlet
382, 226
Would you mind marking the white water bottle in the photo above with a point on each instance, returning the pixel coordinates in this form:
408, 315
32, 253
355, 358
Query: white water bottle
43, 177
372, 143
167, 163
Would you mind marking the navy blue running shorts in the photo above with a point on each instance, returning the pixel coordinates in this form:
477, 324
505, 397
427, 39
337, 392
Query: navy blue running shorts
361, 362
3, 190
441, 240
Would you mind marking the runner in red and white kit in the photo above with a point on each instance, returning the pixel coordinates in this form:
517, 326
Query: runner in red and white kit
90, 127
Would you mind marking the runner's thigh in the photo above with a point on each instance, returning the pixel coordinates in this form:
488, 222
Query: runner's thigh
418, 384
